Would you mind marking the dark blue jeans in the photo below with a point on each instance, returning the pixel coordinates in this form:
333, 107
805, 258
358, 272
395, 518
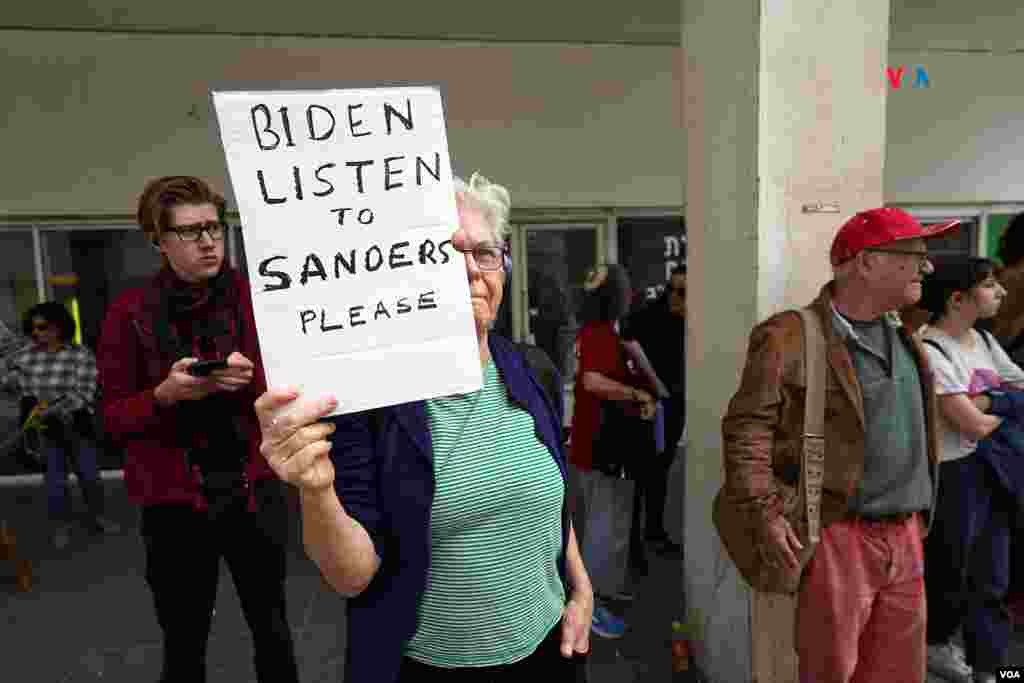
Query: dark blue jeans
967, 562
61, 444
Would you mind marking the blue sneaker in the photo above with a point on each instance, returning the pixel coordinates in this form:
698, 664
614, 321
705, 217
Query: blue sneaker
606, 624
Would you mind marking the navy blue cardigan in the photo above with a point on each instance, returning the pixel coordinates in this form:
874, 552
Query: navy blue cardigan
1003, 449
384, 477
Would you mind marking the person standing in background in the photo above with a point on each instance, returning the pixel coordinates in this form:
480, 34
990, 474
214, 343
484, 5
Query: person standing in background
191, 436
660, 328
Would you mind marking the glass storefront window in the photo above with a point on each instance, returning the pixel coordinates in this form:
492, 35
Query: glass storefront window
86, 269
17, 294
557, 259
17, 283
650, 248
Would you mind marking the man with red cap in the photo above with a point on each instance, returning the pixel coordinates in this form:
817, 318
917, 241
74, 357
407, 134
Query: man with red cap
860, 602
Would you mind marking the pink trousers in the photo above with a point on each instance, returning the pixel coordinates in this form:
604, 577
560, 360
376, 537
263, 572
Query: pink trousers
861, 609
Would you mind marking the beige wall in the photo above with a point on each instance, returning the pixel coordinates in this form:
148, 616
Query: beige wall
961, 139
88, 116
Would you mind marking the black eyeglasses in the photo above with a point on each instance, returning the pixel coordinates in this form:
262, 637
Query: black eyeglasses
922, 256
487, 256
194, 231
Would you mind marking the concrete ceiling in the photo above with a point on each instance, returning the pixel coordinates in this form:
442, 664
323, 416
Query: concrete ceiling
982, 25
653, 22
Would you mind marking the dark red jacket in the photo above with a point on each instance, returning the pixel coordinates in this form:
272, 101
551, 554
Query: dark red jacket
130, 368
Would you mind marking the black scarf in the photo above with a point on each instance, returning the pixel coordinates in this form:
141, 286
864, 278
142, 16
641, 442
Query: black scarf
204, 322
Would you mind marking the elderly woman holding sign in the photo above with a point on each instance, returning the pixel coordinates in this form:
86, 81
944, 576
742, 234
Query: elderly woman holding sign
445, 521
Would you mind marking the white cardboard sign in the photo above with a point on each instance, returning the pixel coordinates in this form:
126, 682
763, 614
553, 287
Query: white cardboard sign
347, 203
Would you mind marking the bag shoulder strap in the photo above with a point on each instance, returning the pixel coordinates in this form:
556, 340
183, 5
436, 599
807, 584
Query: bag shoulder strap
937, 345
543, 367
812, 460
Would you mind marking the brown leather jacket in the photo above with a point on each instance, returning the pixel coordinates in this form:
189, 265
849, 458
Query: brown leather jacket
763, 427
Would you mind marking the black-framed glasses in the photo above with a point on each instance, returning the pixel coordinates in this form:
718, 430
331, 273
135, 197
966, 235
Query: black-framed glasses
922, 256
487, 256
194, 231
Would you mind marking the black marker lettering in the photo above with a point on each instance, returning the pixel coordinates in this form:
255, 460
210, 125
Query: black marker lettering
421, 166
312, 128
341, 214
266, 195
427, 300
380, 258
359, 171
427, 252
381, 309
367, 213
403, 306
353, 316
390, 111
318, 271
324, 327
396, 259
304, 319
388, 172
349, 265
445, 258
265, 271
298, 182
265, 110
352, 123
325, 181
287, 126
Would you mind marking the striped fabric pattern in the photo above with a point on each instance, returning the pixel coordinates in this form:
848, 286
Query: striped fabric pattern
493, 591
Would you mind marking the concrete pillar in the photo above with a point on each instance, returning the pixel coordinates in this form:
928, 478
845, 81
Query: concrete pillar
784, 103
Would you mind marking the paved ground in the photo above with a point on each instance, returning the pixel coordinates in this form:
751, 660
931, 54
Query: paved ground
89, 616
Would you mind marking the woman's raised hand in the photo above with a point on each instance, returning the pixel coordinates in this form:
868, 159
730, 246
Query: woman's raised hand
295, 445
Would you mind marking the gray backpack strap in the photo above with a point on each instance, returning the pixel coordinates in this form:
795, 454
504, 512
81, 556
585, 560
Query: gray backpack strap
812, 461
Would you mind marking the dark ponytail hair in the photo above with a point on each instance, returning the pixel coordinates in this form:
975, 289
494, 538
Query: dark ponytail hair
954, 273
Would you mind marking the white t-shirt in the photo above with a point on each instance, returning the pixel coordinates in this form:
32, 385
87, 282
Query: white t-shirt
970, 372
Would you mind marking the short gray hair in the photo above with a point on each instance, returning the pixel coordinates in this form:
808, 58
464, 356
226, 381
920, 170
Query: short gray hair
491, 199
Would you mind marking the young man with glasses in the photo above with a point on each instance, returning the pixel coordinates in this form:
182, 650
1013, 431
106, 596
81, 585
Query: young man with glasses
861, 602
191, 438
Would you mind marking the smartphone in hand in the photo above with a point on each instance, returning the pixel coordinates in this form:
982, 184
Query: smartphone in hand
202, 368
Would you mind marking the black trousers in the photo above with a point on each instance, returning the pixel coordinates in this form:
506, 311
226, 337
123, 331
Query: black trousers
652, 486
546, 663
967, 562
183, 551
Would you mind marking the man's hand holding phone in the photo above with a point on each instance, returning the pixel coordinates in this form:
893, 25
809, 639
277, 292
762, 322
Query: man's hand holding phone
235, 375
191, 379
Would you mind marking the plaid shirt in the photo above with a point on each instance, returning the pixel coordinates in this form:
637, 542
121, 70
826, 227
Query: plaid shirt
69, 373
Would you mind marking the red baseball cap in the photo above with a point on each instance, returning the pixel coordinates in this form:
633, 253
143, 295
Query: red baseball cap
875, 227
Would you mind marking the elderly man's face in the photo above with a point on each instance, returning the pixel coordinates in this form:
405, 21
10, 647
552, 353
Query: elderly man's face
486, 287
897, 272
196, 261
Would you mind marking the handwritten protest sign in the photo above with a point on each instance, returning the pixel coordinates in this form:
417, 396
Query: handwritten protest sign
347, 205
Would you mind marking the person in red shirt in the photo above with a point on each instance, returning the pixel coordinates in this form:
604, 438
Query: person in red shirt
191, 438
603, 376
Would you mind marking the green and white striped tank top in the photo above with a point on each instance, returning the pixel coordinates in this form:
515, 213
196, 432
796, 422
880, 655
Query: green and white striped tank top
493, 591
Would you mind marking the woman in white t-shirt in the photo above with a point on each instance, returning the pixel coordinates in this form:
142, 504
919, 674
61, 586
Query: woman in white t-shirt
967, 553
